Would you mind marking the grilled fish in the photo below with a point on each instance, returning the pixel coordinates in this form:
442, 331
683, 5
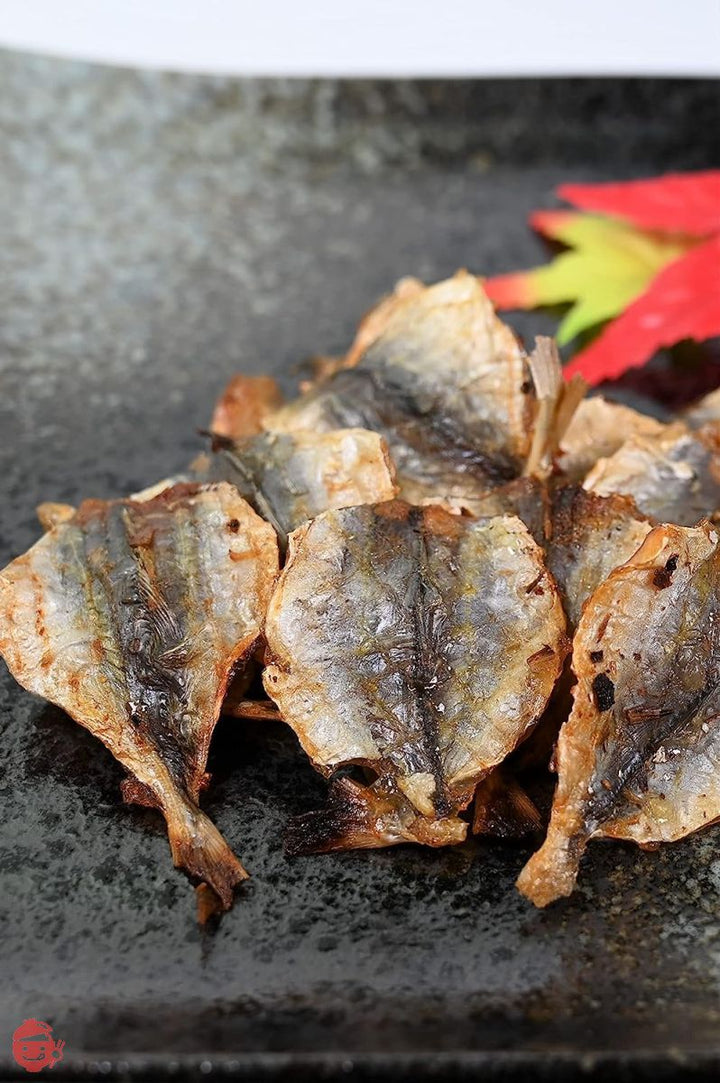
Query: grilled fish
132, 616
674, 477
597, 430
419, 645
638, 757
446, 383
291, 477
584, 535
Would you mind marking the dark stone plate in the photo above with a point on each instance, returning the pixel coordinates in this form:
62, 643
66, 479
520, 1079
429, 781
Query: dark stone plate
158, 233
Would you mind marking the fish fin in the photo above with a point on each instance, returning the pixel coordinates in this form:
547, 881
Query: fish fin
366, 818
551, 873
557, 399
263, 710
198, 847
503, 809
135, 792
209, 904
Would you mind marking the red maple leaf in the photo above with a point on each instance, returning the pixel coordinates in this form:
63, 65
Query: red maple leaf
682, 301
676, 203
654, 293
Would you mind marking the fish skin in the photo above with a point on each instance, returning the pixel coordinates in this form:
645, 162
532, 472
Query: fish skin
291, 477
638, 757
674, 476
584, 535
385, 635
444, 381
597, 430
132, 616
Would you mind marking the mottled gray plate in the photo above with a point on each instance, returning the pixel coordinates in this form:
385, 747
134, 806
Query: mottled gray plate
159, 233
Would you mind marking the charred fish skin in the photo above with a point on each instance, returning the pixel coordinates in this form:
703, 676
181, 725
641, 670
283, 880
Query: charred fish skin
131, 616
637, 757
289, 478
419, 645
444, 382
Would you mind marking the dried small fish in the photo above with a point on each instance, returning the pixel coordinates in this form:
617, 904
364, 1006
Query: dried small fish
591, 535
707, 409
437, 374
598, 429
584, 535
244, 405
638, 757
132, 616
51, 514
675, 477
420, 645
291, 477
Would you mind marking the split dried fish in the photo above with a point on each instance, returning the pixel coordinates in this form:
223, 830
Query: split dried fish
445, 382
674, 477
584, 535
412, 649
420, 645
638, 757
132, 617
597, 430
291, 477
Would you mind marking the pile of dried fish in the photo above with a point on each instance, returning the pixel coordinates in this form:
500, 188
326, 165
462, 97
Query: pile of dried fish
453, 570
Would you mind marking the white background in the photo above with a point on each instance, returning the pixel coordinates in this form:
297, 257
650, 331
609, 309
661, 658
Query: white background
377, 37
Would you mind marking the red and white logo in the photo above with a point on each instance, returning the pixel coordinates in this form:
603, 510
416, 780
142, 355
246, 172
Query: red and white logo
34, 1047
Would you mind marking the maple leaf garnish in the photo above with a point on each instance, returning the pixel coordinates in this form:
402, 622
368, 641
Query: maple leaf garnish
635, 266
676, 203
683, 301
607, 266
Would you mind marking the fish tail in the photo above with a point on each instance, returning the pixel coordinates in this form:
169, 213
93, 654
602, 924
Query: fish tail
198, 847
551, 873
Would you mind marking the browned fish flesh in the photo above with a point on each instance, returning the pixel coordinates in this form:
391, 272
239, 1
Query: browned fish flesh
418, 645
291, 477
448, 386
244, 405
637, 759
674, 477
132, 617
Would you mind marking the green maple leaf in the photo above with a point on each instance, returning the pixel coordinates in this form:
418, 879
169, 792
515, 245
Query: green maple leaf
608, 265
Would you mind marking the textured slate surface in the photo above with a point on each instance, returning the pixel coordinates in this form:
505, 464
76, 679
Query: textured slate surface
159, 233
